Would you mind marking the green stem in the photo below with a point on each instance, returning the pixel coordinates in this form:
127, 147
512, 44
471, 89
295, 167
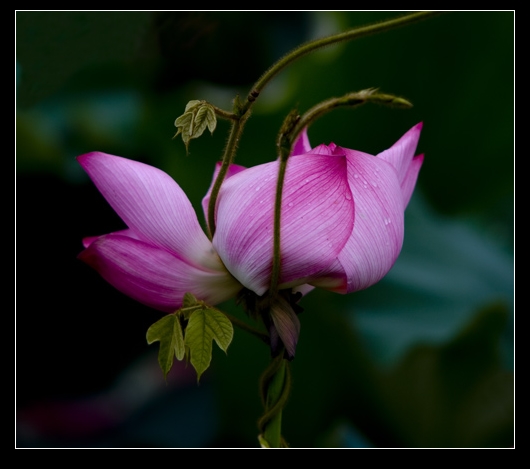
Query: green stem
224, 114
247, 328
241, 111
322, 108
327, 41
273, 431
350, 100
276, 386
228, 158
276, 259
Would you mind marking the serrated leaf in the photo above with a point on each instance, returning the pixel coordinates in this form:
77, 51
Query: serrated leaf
189, 300
205, 117
200, 122
184, 120
191, 104
198, 116
204, 326
211, 119
184, 124
168, 331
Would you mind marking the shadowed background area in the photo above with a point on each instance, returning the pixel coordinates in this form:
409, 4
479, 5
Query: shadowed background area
425, 358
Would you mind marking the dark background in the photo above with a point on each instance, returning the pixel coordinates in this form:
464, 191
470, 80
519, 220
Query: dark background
425, 358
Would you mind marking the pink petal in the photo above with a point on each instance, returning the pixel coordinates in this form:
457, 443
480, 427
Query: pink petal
317, 219
378, 230
232, 169
286, 325
152, 205
88, 240
301, 145
303, 289
408, 184
154, 276
401, 153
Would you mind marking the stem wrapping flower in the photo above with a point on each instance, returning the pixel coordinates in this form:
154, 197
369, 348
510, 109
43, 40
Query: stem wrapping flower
342, 225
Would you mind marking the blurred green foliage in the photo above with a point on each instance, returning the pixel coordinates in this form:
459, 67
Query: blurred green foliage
423, 359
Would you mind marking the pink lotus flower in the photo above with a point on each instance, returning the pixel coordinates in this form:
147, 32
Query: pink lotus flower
341, 225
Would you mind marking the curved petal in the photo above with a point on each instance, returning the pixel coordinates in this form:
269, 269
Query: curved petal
232, 169
286, 326
88, 240
154, 276
401, 153
152, 205
303, 289
408, 184
334, 278
317, 219
301, 144
378, 231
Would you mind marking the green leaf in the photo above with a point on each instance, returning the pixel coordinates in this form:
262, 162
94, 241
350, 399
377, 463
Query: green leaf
168, 331
205, 118
204, 326
197, 116
192, 104
184, 124
189, 300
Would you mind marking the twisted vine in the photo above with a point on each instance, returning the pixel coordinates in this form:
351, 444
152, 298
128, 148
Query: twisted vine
275, 387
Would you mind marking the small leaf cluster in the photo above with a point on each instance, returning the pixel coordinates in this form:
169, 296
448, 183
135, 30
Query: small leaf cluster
197, 116
188, 333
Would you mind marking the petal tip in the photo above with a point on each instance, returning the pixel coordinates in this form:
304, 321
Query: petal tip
301, 145
86, 156
88, 240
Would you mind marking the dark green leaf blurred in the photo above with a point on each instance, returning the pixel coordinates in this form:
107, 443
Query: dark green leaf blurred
423, 359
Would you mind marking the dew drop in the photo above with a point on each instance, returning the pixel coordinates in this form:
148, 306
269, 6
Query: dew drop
348, 197
290, 204
388, 221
